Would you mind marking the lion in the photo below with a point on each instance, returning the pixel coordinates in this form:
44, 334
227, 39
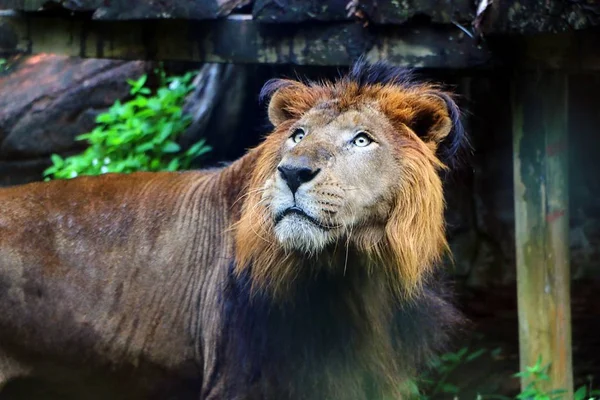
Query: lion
307, 269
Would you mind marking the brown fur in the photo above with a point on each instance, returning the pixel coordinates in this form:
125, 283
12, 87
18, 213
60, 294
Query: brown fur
120, 286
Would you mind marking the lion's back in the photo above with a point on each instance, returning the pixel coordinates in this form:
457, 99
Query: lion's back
86, 266
96, 205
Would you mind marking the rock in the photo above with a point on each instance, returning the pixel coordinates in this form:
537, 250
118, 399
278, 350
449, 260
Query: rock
48, 100
217, 108
134, 9
379, 12
534, 16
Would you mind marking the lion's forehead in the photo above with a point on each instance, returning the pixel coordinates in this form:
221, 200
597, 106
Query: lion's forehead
335, 119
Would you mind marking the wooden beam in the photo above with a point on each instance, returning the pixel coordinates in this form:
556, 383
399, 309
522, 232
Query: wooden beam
542, 224
240, 39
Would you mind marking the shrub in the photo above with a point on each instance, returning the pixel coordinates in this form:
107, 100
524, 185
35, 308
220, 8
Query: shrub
435, 383
138, 135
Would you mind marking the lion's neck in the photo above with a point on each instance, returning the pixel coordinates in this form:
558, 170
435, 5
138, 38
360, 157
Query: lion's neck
331, 338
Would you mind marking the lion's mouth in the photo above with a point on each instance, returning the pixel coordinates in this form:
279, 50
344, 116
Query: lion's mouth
300, 212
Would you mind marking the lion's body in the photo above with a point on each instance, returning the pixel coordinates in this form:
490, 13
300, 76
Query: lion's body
190, 285
101, 271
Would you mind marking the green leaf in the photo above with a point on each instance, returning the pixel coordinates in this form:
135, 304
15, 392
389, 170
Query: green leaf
144, 147
171, 147
173, 165
449, 388
450, 357
196, 148
105, 118
462, 352
580, 394
165, 131
475, 355
155, 104
496, 352
57, 160
137, 85
154, 164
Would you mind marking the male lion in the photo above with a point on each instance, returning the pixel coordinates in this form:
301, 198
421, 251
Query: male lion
304, 270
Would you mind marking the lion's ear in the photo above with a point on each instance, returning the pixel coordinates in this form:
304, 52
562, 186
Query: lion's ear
288, 99
437, 121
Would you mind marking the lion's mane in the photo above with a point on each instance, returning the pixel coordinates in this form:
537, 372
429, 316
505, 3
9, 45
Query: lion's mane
384, 310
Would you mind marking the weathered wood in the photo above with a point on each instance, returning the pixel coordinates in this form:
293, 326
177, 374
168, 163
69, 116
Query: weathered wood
380, 12
542, 224
239, 39
133, 9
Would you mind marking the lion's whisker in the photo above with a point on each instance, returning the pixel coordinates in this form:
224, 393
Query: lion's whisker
248, 193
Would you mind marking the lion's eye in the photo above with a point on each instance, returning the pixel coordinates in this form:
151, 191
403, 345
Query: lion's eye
298, 135
362, 140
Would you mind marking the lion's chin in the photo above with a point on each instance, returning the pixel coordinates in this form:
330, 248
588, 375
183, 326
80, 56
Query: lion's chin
296, 233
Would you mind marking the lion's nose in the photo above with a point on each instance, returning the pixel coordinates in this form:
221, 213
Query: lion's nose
295, 176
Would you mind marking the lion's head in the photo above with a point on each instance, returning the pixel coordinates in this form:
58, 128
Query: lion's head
350, 164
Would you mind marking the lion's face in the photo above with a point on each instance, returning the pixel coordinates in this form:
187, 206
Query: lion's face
351, 164
338, 176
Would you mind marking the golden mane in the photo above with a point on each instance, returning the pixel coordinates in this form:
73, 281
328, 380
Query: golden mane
414, 238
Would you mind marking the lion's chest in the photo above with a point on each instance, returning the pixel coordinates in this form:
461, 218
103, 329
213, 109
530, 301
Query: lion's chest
311, 346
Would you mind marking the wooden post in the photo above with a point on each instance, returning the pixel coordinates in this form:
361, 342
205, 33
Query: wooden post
542, 224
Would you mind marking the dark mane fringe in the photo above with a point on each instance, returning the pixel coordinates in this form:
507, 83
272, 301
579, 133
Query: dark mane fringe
380, 73
454, 151
271, 86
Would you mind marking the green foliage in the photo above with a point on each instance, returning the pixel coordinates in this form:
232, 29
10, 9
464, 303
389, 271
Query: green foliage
138, 135
537, 374
4, 65
435, 383
585, 392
